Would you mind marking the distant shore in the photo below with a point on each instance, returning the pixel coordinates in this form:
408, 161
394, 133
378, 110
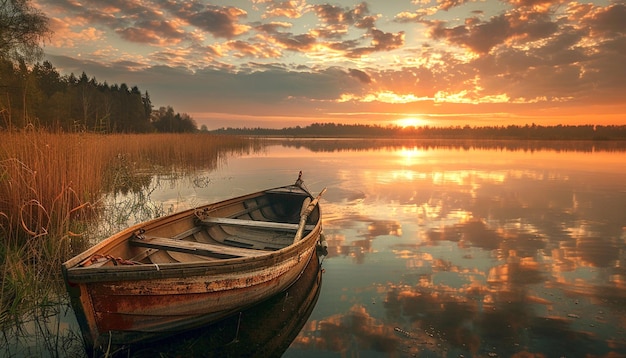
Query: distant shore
527, 132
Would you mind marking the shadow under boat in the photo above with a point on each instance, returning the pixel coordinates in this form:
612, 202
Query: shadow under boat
264, 330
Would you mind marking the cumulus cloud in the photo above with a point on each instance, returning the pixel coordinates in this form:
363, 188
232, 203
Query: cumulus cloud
448, 4
255, 50
152, 32
65, 36
219, 21
290, 9
292, 42
609, 21
336, 21
337, 16
511, 28
360, 75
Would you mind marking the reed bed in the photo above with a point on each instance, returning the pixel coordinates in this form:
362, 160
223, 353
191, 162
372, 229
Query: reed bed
50, 187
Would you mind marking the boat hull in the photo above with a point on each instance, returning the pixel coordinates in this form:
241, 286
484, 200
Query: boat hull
172, 291
266, 329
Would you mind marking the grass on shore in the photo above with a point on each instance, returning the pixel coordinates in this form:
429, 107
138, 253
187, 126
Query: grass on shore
50, 186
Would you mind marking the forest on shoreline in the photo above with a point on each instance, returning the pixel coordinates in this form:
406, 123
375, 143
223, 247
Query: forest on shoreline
534, 132
39, 96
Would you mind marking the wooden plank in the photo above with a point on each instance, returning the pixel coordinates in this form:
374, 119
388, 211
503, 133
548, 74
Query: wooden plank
247, 210
254, 224
247, 243
143, 255
290, 190
147, 253
189, 232
195, 248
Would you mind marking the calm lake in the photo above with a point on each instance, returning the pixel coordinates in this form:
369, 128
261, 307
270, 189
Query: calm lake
439, 249
450, 250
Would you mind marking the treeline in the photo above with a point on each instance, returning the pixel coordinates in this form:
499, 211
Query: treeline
536, 132
39, 96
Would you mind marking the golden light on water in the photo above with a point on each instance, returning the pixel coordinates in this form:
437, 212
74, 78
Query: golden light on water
410, 155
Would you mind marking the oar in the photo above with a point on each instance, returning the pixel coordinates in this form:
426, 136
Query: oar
305, 214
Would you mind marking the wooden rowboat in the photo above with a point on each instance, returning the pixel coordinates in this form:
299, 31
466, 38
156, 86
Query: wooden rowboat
191, 268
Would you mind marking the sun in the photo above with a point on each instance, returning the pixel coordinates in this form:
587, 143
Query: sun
411, 122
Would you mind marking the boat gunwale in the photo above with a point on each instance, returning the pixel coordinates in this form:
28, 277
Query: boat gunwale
80, 275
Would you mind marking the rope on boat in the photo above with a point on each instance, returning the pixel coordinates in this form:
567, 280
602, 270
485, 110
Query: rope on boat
98, 258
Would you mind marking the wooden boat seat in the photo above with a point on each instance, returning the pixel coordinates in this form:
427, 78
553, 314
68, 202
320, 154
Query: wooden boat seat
196, 248
251, 243
209, 220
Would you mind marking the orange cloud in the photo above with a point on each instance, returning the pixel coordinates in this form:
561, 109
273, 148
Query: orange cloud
69, 36
290, 9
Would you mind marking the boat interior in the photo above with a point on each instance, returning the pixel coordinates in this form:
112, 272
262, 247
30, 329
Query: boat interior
268, 221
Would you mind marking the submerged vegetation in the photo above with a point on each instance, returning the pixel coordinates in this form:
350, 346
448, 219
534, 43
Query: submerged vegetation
51, 188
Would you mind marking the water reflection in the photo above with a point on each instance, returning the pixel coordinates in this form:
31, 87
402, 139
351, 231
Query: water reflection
472, 251
49, 331
358, 144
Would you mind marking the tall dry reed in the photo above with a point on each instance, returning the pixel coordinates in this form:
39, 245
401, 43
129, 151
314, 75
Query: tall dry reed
50, 184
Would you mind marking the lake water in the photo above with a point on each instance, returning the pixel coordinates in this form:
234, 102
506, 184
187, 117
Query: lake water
453, 249
447, 249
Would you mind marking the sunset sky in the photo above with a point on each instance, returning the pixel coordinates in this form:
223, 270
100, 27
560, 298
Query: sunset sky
286, 63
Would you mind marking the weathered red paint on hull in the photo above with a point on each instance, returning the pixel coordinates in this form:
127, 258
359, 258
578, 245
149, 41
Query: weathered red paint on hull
266, 329
138, 306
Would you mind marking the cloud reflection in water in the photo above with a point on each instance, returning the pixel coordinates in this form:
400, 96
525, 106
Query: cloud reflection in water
475, 251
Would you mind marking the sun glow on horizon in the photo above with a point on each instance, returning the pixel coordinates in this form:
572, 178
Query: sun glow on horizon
411, 122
